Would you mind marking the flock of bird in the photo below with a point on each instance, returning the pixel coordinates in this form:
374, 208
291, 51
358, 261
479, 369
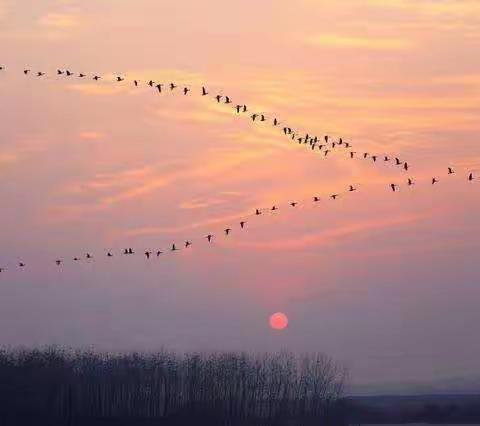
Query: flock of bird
313, 142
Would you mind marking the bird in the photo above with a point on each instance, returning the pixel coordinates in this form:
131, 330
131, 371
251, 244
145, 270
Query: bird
1, 269
293, 203
351, 188
147, 254
218, 98
151, 83
254, 116
97, 77
120, 78
135, 82
333, 144
125, 251
88, 256
159, 253
405, 166
109, 254
347, 145
238, 108
326, 152
187, 244
21, 265
258, 212
374, 158
397, 161
285, 130
326, 138
300, 140
274, 208
386, 158
451, 171
58, 262
209, 237
410, 182
365, 154
26, 71
59, 72
244, 108
393, 186
242, 224
159, 87
40, 74
130, 251
174, 247
204, 91
227, 100
81, 75
186, 90
470, 177
352, 154
340, 141
68, 73
227, 231
275, 122
434, 181
262, 118
76, 259
316, 199
334, 196
172, 86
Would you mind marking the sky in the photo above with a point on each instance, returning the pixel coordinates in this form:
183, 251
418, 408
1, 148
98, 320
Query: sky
385, 283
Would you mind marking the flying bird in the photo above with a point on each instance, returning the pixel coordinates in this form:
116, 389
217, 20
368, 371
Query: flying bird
89, 256
174, 247
227, 231
242, 224
294, 204
405, 166
76, 259
434, 181
316, 199
40, 74
135, 82
120, 78
159, 253
451, 171
326, 152
386, 158
172, 86
218, 98
262, 118
274, 208
209, 237
393, 186
58, 262
81, 75
254, 116
97, 77
187, 244
275, 122
334, 196
244, 108
374, 158
147, 254
59, 72
410, 182
397, 162
470, 177
21, 265
151, 83
352, 154
159, 87
365, 154
258, 212
109, 254
227, 100
238, 108
186, 90
69, 73
26, 71
204, 91
351, 188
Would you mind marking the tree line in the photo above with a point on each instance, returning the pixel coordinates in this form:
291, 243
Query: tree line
68, 387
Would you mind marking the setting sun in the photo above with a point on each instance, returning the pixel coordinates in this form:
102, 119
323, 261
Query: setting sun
278, 321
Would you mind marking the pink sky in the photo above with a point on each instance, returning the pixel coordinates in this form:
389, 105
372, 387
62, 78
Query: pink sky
387, 283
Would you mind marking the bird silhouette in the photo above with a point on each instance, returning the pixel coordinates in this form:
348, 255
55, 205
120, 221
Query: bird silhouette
40, 74
365, 154
58, 262
218, 98
293, 203
334, 196
186, 90
347, 145
258, 212
59, 72
81, 75
242, 224
227, 100
405, 166
159, 253
275, 122
262, 118
174, 247
410, 182
326, 138
254, 116
135, 82
151, 83
209, 237
97, 77
147, 254
130, 251
386, 158
21, 265
352, 154
109, 254
393, 186
470, 177
172, 86
227, 231
187, 244
89, 256
451, 171
434, 181
316, 199
1, 269
125, 251
351, 188
120, 78
325, 153
204, 91
76, 259
238, 108
244, 108
374, 158
397, 162
26, 71
274, 208
159, 87
68, 73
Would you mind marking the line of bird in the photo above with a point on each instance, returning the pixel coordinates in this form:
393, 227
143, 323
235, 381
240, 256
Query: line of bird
324, 144
242, 224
